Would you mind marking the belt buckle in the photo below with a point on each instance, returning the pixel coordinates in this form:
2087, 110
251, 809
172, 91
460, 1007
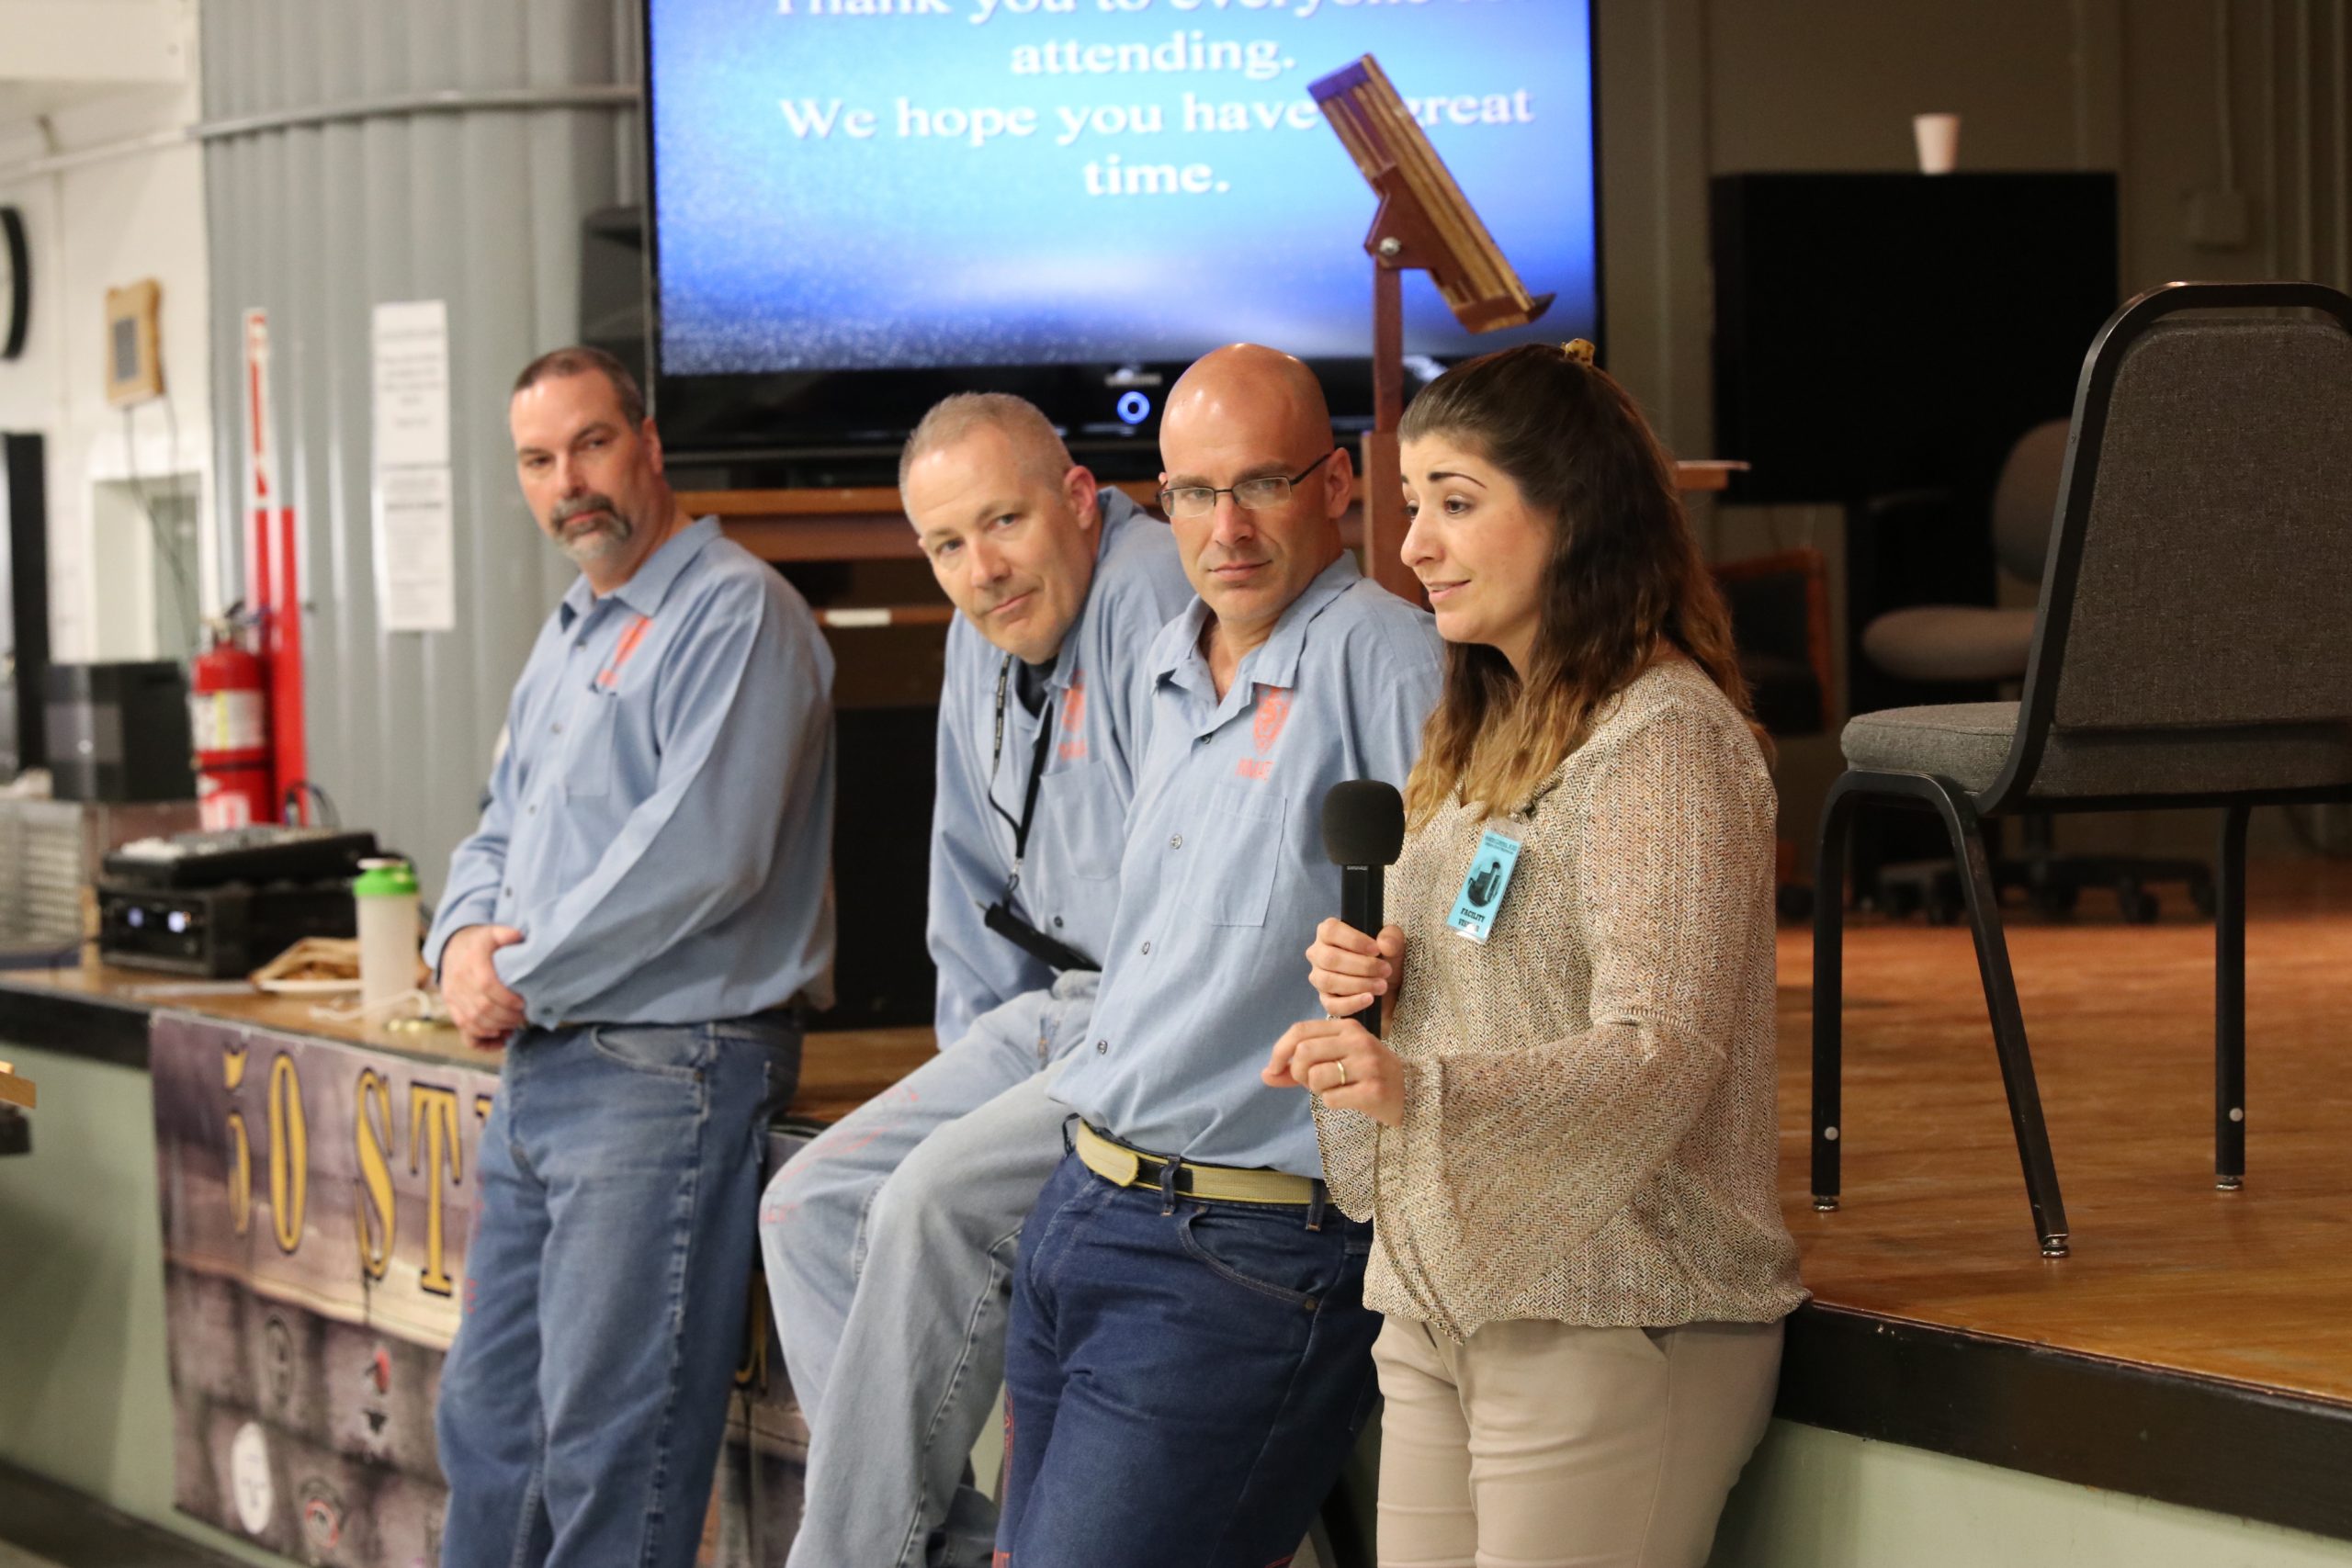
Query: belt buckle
1125, 1164
1128, 1166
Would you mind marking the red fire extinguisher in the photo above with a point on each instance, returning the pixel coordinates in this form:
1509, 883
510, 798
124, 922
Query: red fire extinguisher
228, 717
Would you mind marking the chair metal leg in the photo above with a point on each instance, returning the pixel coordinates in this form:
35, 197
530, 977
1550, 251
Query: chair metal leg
2007, 1016
1828, 988
2229, 1002
1967, 836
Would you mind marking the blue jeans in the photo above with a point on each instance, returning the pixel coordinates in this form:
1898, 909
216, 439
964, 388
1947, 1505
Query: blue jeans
890, 1242
1181, 1384
583, 1403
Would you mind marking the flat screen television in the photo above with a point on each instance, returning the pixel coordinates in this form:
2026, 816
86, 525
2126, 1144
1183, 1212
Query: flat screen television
860, 206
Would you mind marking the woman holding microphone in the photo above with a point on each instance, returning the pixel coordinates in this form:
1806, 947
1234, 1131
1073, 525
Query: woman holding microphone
1566, 1141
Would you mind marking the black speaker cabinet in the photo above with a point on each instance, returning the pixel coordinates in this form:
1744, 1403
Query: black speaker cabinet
118, 731
24, 604
1878, 332
885, 760
1881, 342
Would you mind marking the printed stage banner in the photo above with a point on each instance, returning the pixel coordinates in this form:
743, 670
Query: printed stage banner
317, 1200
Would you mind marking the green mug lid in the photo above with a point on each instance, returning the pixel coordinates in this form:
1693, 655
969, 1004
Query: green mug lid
384, 879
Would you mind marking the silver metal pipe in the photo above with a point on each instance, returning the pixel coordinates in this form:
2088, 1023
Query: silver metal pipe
98, 152
610, 94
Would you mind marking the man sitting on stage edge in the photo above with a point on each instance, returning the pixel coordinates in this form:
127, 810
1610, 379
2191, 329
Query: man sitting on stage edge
637, 921
891, 1239
1188, 1356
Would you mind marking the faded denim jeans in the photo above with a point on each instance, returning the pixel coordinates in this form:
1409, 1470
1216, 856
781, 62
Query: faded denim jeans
890, 1242
583, 1403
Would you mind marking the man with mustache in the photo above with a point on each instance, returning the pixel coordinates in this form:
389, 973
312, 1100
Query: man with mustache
1189, 1357
889, 1239
639, 921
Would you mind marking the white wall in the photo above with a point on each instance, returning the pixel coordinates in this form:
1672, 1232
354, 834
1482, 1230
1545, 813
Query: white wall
93, 227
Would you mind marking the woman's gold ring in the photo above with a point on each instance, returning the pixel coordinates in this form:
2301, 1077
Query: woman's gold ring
1343, 1073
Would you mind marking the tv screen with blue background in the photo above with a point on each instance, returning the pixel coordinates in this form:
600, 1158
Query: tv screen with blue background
897, 185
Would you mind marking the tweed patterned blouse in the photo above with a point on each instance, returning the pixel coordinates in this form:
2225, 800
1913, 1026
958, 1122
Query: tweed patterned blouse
1589, 1133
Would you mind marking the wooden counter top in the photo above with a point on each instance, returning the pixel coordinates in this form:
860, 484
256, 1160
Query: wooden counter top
841, 1069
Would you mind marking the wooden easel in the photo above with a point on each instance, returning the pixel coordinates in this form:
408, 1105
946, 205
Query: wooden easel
1423, 221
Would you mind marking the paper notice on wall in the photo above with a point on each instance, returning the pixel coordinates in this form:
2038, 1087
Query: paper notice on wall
416, 544
415, 554
412, 342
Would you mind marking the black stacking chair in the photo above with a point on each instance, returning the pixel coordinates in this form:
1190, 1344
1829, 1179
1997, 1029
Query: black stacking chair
2192, 647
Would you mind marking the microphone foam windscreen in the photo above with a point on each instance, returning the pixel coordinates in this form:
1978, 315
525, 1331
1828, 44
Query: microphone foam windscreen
1363, 823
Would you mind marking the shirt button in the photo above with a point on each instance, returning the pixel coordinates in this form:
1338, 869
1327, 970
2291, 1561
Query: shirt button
1175, 841
532, 809
1101, 1046
1147, 948
510, 893
1057, 920
558, 728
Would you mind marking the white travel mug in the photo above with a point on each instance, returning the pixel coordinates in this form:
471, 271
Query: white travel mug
385, 891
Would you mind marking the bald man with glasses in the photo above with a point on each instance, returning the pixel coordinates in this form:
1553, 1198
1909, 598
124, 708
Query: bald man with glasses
1189, 1357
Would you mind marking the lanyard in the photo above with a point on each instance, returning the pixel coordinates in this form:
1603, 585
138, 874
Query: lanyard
1050, 950
1037, 771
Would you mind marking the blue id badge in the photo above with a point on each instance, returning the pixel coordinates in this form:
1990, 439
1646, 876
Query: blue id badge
1481, 897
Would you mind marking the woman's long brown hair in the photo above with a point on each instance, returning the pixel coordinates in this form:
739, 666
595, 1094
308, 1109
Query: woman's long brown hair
1624, 581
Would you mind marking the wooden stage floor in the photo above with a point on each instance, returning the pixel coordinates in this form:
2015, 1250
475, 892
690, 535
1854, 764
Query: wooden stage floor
2254, 1285
2195, 1347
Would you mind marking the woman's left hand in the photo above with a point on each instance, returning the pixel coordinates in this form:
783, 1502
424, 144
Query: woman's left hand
1343, 1062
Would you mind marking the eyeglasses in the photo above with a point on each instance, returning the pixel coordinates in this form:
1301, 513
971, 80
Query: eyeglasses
1250, 495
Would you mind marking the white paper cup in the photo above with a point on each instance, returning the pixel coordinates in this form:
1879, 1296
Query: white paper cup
1938, 136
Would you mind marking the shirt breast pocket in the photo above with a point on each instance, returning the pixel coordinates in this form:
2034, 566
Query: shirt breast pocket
587, 762
1084, 810
1232, 878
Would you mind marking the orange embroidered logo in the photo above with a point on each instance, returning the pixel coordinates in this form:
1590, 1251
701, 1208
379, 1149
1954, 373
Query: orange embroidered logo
1073, 746
623, 651
1273, 708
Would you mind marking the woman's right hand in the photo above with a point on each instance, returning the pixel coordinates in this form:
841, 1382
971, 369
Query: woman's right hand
1348, 969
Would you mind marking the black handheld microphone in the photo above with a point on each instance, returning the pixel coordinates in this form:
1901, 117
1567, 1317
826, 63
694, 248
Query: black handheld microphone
1363, 831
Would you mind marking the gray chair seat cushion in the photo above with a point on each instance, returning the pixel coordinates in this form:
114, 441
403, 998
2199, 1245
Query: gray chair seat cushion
1967, 743
1950, 642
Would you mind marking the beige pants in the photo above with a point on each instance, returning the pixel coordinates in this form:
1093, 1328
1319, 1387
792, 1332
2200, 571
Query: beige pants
1542, 1445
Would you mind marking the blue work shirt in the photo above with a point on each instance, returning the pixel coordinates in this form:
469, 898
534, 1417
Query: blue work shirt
1097, 698
659, 824
1224, 879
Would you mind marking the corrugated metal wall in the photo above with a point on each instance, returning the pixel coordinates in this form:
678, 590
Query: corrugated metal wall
319, 223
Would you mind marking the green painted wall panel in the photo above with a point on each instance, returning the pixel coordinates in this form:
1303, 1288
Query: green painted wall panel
1816, 1499
84, 1395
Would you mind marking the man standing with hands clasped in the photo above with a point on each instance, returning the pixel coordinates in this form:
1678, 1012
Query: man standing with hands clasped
640, 920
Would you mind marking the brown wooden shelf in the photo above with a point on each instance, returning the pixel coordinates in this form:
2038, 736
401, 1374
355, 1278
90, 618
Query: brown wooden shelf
842, 523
